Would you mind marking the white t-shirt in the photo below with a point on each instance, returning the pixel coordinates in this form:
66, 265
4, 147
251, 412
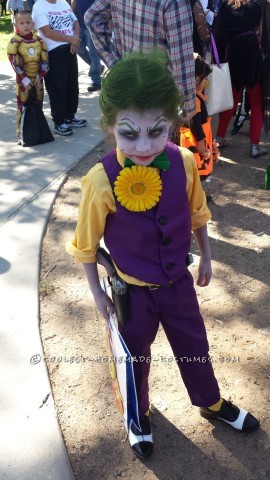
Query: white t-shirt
59, 16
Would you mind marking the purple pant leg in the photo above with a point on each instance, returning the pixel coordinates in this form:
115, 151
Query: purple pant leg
185, 330
139, 334
177, 309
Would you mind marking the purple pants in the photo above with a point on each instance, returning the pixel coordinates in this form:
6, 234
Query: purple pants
176, 308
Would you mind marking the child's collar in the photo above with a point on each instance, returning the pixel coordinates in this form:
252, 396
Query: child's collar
161, 161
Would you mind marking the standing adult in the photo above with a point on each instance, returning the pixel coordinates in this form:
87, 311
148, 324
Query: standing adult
14, 6
3, 7
235, 31
87, 50
59, 28
28, 5
118, 27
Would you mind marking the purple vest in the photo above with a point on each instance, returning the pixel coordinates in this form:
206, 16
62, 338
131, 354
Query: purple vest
152, 246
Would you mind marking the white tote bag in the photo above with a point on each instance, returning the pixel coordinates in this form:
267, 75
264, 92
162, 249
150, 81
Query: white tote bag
219, 89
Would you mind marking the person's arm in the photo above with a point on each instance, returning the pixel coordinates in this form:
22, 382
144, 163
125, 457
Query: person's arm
44, 60
196, 127
98, 21
73, 5
97, 201
203, 28
103, 302
44, 65
60, 37
178, 27
205, 269
12, 52
200, 215
41, 21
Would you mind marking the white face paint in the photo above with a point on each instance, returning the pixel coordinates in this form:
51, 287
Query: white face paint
141, 136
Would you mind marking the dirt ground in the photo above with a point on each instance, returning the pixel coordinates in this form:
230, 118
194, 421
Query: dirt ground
236, 311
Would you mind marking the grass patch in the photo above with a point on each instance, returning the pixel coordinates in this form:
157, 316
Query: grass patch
6, 30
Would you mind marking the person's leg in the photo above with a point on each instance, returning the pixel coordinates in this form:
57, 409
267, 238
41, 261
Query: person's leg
256, 112
95, 69
139, 334
225, 117
83, 52
72, 87
185, 330
19, 112
186, 333
56, 83
256, 121
216, 5
72, 94
22, 95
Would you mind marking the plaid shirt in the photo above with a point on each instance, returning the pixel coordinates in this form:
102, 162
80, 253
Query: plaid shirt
141, 24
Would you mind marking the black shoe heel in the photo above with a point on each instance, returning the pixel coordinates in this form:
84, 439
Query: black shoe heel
208, 415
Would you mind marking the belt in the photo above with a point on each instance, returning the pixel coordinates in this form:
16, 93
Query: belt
155, 287
189, 261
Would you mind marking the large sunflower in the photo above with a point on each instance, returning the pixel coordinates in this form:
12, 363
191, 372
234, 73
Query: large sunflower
138, 188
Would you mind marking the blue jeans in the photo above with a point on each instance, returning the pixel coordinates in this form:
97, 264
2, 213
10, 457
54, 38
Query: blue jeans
216, 5
88, 53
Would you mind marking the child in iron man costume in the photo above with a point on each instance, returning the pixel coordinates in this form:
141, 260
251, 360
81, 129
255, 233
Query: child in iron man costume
145, 197
27, 54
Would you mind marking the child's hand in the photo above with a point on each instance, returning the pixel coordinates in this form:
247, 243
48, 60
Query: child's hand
38, 83
216, 151
204, 273
73, 49
202, 150
104, 304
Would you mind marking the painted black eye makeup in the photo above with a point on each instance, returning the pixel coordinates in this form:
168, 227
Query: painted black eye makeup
159, 128
129, 135
129, 132
156, 132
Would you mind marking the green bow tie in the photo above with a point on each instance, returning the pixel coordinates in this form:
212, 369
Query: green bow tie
161, 161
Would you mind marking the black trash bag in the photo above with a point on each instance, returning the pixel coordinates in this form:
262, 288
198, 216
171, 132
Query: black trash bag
34, 126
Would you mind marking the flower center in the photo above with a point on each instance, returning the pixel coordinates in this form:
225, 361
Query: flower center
138, 188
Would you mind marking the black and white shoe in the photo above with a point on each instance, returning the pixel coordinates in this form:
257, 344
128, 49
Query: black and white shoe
76, 123
236, 417
63, 129
141, 440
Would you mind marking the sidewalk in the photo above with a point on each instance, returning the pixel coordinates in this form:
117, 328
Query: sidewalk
31, 441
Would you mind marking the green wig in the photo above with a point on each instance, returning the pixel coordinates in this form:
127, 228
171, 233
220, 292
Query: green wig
139, 82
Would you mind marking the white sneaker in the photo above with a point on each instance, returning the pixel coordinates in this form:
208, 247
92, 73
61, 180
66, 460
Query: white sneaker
76, 122
63, 129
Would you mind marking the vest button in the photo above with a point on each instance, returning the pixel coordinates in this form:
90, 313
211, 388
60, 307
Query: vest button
163, 220
169, 266
166, 241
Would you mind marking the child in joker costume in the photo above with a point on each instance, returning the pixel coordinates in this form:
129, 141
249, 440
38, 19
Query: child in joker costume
145, 198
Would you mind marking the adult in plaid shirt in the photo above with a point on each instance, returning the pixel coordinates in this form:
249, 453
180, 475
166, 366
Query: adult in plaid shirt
120, 26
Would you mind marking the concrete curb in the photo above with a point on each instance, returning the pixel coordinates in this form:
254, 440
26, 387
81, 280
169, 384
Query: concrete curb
32, 444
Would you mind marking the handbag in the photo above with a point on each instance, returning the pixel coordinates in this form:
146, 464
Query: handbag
219, 89
34, 127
